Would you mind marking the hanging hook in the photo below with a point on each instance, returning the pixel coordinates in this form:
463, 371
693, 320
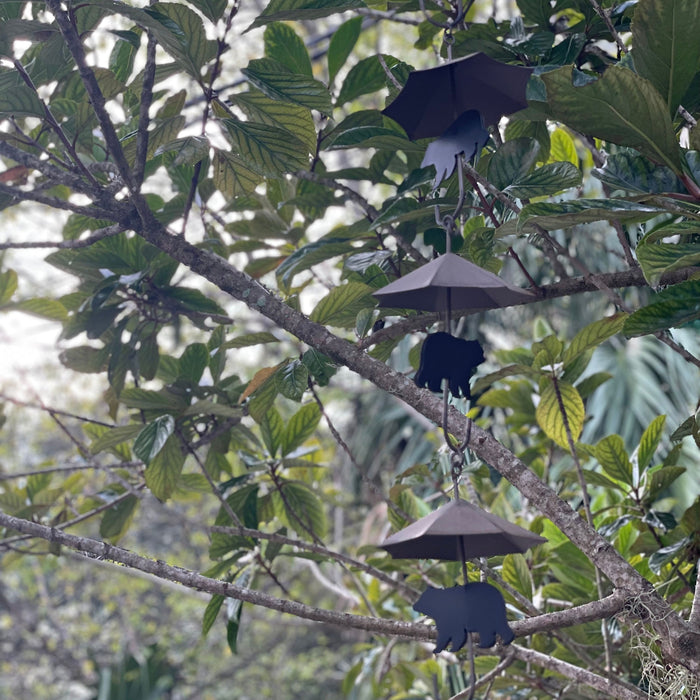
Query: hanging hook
460, 12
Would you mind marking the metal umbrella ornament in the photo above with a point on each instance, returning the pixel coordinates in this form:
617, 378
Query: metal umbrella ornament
432, 99
453, 532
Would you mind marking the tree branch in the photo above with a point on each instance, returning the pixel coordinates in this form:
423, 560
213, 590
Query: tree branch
684, 648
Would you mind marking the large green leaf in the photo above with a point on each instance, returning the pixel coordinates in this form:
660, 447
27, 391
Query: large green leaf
611, 454
342, 304
292, 379
211, 612
265, 149
631, 172
620, 107
593, 335
300, 509
272, 431
649, 441
549, 412
8, 285
150, 441
656, 259
666, 47
187, 27
21, 101
670, 308
212, 9
300, 427
292, 117
512, 161
284, 45
311, 254
341, 44
366, 76
193, 362
278, 82
163, 473
232, 176
116, 519
556, 215
547, 180
659, 479
298, 10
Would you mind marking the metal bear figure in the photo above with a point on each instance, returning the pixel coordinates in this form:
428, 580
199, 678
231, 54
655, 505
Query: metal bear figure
445, 357
474, 607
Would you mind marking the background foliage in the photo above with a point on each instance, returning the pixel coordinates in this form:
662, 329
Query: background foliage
220, 196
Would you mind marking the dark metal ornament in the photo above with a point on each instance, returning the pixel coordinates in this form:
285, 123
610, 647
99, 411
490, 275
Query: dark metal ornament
451, 282
459, 530
460, 610
432, 99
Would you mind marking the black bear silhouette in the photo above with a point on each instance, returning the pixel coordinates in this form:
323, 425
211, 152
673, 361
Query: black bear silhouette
474, 607
445, 357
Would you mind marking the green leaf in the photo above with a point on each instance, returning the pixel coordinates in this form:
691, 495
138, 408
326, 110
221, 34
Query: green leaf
211, 9
187, 28
116, 520
265, 149
244, 341
296, 119
373, 137
283, 45
549, 413
190, 149
84, 359
658, 479
516, 572
547, 180
232, 176
311, 254
601, 480
146, 399
512, 161
163, 473
341, 44
611, 454
649, 442
342, 304
657, 259
211, 612
593, 335
320, 367
300, 509
21, 101
631, 172
234, 624
291, 380
115, 436
300, 427
278, 82
8, 285
621, 107
552, 216
193, 362
666, 51
670, 308
150, 441
43, 307
300, 10
666, 555
364, 77
272, 431
563, 148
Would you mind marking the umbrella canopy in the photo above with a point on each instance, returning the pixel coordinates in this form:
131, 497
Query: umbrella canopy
432, 99
451, 282
457, 525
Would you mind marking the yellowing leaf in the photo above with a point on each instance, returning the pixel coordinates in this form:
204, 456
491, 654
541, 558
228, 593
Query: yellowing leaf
551, 413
